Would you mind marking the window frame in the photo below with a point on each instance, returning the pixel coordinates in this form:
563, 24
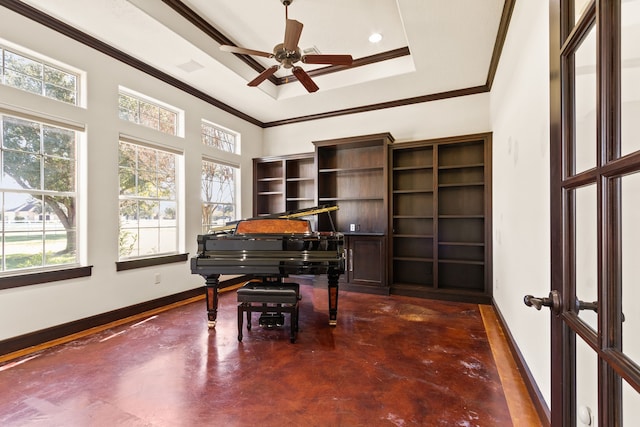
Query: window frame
129, 262
205, 225
178, 125
216, 127
45, 63
56, 272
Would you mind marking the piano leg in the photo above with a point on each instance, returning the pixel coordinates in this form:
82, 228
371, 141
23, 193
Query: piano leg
211, 284
333, 297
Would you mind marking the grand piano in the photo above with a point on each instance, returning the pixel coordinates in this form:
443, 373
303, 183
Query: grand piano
273, 246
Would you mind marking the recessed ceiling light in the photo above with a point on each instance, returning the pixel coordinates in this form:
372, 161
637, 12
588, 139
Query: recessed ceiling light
375, 37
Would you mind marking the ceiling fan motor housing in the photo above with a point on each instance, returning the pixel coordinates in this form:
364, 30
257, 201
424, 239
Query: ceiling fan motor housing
286, 57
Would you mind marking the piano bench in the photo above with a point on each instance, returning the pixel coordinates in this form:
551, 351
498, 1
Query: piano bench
272, 300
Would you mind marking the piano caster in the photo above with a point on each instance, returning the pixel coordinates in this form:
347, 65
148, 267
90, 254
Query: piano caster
211, 324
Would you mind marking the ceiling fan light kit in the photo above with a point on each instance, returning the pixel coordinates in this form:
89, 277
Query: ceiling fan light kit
288, 54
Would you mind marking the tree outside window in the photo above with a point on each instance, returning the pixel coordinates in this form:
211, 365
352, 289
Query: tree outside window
218, 137
218, 194
148, 202
20, 71
38, 190
146, 113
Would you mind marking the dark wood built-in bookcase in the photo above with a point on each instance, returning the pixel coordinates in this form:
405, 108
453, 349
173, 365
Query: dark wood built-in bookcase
440, 218
416, 215
283, 183
352, 174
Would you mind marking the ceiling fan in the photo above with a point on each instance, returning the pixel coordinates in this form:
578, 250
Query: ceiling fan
288, 54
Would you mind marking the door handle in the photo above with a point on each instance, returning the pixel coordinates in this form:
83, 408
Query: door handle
584, 305
593, 306
553, 301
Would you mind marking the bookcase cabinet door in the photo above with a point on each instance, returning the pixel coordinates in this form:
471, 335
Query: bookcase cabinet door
366, 261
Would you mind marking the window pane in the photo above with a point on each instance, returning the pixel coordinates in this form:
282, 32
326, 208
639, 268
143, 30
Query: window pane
24, 82
128, 109
128, 242
59, 78
58, 142
39, 227
167, 239
215, 136
20, 170
147, 181
148, 202
148, 243
585, 104
59, 174
217, 194
23, 65
148, 114
127, 181
168, 120
22, 135
630, 85
37, 77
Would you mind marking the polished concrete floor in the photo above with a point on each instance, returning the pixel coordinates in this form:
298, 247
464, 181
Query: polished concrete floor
390, 361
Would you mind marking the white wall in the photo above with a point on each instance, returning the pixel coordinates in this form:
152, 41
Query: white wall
32, 308
521, 239
449, 117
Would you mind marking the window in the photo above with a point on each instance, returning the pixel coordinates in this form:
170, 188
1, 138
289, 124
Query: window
38, 195
220, 138
20, 71
148, 201
218, 194
144, 112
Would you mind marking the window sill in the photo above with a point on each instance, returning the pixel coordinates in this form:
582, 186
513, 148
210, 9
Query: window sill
18, 280
150, 262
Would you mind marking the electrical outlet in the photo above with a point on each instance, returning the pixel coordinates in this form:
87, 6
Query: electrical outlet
157, 278
352, 227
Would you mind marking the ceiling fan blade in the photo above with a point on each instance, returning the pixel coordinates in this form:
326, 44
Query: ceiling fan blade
263, 76
292, 34
328, 59
242, 50
305, 79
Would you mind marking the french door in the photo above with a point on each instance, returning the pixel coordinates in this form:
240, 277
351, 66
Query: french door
595, 212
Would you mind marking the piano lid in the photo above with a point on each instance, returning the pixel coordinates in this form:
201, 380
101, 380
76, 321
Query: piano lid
231, 226
273, 226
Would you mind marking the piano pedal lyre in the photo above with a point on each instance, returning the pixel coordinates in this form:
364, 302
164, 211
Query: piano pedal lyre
271, 320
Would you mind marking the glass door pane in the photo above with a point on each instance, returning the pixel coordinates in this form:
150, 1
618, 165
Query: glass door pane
630, 405
586, 384
630, 70
585, 104
586, 250
630, 242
